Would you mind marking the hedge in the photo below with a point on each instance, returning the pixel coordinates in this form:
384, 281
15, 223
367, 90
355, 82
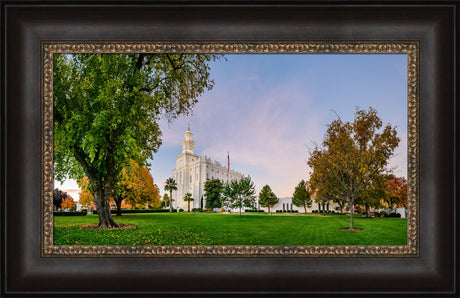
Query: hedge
70, 213
114, 211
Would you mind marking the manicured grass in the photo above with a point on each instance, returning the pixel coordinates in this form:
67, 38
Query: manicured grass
230, 229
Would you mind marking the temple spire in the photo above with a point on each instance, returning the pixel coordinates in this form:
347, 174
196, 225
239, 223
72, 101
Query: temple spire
188, 144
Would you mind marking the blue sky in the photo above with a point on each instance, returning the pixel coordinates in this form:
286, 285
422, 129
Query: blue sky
268, 110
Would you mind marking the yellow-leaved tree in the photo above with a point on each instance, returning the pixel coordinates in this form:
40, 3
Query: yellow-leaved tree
136, 186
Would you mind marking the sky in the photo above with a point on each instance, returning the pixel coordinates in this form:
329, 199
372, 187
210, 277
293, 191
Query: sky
269, 110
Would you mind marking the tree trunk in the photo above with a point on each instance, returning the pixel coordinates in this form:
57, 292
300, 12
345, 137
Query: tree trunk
102, 199
240, 210
170, 200
305, 207
352, 209
119, 206
269, 210
188, 206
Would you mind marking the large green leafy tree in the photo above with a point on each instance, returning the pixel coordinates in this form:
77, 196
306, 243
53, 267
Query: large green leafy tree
213, 193
106, 112
302, 196
238, 193
267, 198
353, 156
170, 185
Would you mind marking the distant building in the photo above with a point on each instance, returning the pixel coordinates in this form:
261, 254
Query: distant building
191, 173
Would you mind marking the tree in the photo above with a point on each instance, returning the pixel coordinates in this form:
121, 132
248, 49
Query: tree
68, 203
188, 198
136, 186
353, 155
267, 198
58, 197
396, 192
302, 196
326, 190
165, 201
86, 196
170, 185
237, 193
371, 196
213, 193
106, 112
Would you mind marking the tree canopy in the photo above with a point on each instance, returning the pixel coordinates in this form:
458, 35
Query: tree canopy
267, 198
165, 201
302, 196
396, 191
188, 198
170, 185
213, 193
107, 107
352, 157
58, 197
137, 186
238, 193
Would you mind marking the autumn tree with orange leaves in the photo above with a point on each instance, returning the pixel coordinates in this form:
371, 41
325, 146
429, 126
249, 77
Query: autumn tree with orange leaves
396, 195
68, 203
136, 186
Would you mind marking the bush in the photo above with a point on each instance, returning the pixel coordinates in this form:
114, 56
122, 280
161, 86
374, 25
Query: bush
70, 213
181, 210
114, 211
393, 215
197, 210
381, 214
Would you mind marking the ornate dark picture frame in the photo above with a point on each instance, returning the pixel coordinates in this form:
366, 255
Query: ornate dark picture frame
30, 265
410, 48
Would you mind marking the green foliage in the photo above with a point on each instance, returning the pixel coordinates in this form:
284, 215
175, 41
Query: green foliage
165, 201
141, 211
107, 107
302, 196
213, 193
170, 185
188, 198
70, 213
267, 197
239, 193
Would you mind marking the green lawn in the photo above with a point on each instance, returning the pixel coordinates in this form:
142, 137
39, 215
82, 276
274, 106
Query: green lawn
230, 229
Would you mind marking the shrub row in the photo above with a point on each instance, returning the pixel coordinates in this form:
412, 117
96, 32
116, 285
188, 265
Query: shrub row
253, 210
290, 211
323, 211
385, 214
114, 211
202, 210
393, 215
70, 213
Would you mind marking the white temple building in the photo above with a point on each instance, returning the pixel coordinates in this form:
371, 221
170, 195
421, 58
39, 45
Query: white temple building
191, 173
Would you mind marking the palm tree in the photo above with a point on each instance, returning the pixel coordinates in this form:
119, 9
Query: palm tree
170, 185
188, 198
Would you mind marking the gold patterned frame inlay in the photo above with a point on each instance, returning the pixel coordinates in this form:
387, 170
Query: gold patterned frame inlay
48, 48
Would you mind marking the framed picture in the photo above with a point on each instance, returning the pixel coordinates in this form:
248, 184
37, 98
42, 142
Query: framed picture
55, 43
